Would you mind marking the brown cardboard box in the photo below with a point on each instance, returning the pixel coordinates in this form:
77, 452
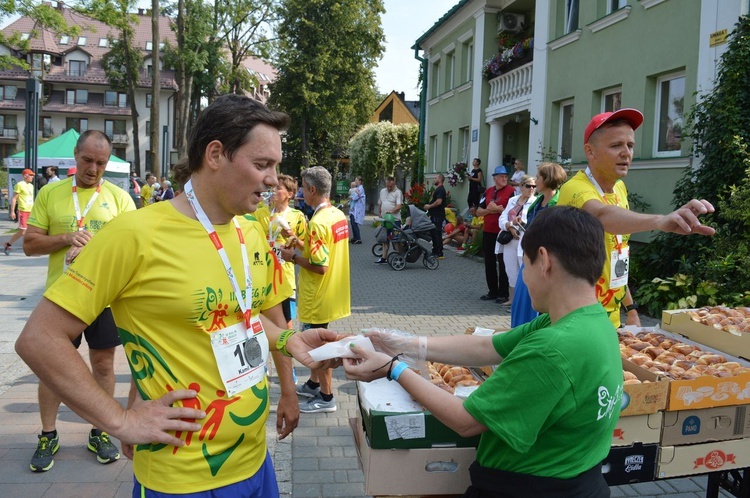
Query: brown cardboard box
642, 399
638, 429
429, 471
674, 461
710, 424
679, 322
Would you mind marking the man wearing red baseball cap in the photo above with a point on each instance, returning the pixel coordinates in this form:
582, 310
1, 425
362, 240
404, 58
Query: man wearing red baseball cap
23, 197
608, 142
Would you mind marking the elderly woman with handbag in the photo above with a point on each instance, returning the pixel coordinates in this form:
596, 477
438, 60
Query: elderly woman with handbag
513, 222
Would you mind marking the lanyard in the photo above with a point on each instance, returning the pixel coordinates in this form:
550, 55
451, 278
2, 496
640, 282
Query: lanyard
319, 207
80, 217
245, 305
591, 178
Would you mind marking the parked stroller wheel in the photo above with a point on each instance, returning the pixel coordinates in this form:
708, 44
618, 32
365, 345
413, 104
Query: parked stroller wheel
397, 261
377, 250
431, 262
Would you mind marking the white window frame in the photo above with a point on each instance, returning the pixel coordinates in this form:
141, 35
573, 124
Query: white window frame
448, 150
571, 5
657, 113
469, 60
103, 43
451, 76
436, 78
466, 139
81, 41
434, 140
560, 139
607, 93
64, 39
149, 46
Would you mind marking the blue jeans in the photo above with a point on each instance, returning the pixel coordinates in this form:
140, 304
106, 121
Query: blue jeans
355, 228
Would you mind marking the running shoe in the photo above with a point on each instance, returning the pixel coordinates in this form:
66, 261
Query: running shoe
42, 460
317, 405
106, 451
306, 391
6, 249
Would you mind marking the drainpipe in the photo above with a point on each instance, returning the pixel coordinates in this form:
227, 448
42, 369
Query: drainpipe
422, 113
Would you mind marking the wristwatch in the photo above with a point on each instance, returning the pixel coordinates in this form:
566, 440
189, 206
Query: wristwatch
294, 258
631, 307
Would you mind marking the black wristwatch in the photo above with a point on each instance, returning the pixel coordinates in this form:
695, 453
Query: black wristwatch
631, 307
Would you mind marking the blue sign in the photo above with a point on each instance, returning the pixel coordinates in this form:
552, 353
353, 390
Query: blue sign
474, 135
691, 426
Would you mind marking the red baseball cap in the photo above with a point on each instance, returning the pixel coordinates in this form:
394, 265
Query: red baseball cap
632, 116
27, 172
72, 171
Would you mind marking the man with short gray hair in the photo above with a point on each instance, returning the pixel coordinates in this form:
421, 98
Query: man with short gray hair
323, 291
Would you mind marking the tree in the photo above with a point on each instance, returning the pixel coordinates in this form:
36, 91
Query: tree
720, 133
122, 64
383, 149
327, 52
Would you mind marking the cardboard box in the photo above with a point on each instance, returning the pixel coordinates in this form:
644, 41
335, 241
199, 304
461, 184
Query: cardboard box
706, 391
638, 429
679, 322
710, 424
693, 459
412, 472
392, 419
642, 399
629, 464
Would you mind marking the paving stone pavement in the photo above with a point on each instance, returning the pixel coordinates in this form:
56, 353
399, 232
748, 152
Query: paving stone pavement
319, 459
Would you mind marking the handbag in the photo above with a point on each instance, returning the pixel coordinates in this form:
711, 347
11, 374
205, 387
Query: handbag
504, 237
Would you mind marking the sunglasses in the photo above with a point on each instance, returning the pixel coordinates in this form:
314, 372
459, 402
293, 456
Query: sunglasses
530, 186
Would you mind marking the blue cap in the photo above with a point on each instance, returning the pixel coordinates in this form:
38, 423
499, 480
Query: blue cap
500, 170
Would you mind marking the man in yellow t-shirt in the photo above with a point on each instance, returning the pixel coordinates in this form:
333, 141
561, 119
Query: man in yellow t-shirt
147, 191
324, 293
23, 198
54, 230
608, 142
176, 278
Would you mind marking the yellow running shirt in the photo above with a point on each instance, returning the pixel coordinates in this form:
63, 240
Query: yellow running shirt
325, 298
25, 193
168, 290
54, 212
298, 224
578, 191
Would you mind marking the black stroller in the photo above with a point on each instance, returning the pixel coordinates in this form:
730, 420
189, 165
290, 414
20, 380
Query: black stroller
413, 241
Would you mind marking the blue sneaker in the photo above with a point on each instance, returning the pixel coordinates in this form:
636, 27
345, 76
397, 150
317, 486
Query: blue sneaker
106, 452
306, 391
317, 405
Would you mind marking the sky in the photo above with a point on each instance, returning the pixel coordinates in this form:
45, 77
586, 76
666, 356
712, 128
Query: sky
403, 22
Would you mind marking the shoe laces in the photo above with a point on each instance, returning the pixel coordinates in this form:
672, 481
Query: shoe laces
104, 439
43, 443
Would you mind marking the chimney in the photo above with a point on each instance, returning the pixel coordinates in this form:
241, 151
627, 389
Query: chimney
140, 12
60, 6
402, 96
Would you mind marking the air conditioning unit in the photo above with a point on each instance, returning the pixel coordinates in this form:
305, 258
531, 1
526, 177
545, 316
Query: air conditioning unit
510, 23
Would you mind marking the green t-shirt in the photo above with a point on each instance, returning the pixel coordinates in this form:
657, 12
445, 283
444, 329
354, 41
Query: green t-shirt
552, 404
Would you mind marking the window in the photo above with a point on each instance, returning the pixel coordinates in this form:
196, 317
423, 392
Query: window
82, 41
78, 124
149, 46
670, 102
469, 65
566, 130
24, 36
465, 144
103, 42
64, 39
448, 149
161, 46
434, 150
9, 125
450, 77
115, 129
110, 98
122, 100
612, 100
76, 68
436, 79
149, 70
571, 16
8, 92
45, 126
76, 97
149, 99
613, 5
148, 127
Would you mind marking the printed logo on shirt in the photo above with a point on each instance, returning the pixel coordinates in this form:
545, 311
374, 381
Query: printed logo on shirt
340, 231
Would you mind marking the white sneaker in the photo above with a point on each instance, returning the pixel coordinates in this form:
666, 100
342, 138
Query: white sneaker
306, 391
317, 405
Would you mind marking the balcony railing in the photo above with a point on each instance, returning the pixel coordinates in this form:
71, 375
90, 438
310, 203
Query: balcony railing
11, 133
511, 88
117, 138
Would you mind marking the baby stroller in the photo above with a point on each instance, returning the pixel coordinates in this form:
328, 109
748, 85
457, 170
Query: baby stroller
413, 241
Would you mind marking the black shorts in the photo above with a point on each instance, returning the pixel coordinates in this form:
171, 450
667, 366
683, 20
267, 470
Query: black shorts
286, 307
308, 326
102, 333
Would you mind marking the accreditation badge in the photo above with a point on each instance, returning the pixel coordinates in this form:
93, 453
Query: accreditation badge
241, 354
619, 268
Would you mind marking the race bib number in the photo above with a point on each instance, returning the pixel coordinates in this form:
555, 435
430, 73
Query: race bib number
619, 268
241, 354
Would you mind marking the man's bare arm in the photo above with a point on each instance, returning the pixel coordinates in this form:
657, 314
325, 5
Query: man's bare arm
37, 242
683, 221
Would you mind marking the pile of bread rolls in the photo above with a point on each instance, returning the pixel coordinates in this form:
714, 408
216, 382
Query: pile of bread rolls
732, 320
673, 359
449, 377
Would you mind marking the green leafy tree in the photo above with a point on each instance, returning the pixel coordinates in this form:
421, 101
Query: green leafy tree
327, 52
720, 132
123, 63
383, 149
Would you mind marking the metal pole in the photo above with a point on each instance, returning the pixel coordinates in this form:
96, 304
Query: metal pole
31, 134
